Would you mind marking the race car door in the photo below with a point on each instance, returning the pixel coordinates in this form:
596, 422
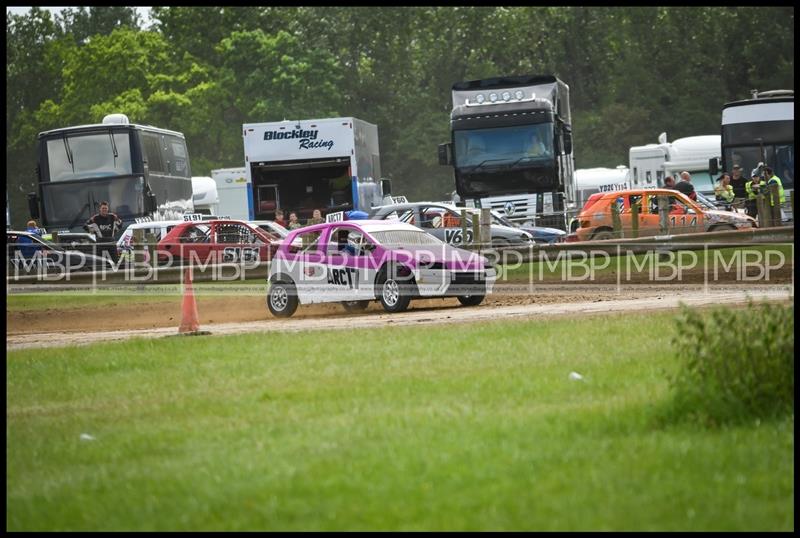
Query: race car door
681, 217
305, 265
237, 243
195, 244
350, 264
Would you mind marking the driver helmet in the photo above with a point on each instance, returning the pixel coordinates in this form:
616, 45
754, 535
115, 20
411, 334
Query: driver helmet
353, 240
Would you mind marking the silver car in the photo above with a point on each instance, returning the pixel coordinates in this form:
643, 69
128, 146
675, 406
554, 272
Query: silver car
444, 222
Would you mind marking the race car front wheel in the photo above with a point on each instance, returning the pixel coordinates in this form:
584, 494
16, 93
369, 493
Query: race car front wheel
282, 299
393, 291
470, 300
355, 306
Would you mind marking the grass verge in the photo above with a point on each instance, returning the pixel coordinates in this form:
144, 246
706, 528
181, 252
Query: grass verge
464, 427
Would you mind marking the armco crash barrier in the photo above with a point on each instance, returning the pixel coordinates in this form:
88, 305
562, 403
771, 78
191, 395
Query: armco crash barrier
693, 241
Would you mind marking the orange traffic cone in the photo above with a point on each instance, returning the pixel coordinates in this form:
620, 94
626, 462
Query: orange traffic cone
190, 322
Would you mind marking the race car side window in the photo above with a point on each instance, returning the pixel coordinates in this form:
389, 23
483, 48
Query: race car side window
195, 234
305, 242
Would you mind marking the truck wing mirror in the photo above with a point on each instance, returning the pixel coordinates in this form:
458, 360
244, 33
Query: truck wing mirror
713, 166
567, 139
445, 153
386, 186
33, 205
150, 202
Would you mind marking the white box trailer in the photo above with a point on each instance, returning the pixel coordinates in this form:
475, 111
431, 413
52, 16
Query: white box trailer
589, 181
650, 164
331, 164
234, 192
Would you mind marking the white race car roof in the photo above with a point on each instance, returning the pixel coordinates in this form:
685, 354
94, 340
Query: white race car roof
387, 226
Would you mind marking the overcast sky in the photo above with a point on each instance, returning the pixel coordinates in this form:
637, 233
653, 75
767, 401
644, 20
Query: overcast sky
144, 12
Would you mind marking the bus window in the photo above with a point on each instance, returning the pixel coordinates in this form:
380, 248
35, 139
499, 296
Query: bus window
152, 150
89, 156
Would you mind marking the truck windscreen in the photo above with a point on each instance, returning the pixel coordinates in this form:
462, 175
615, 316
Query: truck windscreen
503, 145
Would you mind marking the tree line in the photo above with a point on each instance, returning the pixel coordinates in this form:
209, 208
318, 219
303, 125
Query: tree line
633, 72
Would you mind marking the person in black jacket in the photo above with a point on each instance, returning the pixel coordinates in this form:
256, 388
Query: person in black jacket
685, 185
104, 225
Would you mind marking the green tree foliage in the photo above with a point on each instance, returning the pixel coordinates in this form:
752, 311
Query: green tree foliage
633, 72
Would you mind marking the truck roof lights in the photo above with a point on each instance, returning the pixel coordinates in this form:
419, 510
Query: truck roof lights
519, 94
493, 97
480, 98
506, 96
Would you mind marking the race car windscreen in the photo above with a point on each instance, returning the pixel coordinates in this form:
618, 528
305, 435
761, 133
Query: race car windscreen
405, 238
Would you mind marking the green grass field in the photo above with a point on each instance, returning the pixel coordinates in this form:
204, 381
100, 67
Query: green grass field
474, 427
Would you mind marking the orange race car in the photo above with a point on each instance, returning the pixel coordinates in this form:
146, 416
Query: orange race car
685, 215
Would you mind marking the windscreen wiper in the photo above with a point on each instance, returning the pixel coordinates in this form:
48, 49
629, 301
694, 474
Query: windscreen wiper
69, 154
482, 163
524, 158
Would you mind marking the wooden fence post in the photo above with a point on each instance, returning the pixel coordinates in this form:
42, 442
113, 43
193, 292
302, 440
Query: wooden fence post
635, 220
464, 227
663, 215
762, 208
616, 223
486, 226
476, 230
150, 239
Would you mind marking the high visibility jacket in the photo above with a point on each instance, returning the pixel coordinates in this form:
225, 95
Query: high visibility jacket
724, 193
751, 194
781, 194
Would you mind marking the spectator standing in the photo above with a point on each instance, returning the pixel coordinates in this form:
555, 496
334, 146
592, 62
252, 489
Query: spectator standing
669, 182
104, 225
316, 218
29, 246
685, 185
293, 222
753, 187
279, 217
723, 190
738, 181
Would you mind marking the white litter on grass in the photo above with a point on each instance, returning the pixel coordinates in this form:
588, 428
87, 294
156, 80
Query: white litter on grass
86, 437
575, 376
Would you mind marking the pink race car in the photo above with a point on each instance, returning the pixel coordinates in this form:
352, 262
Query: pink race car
355, 262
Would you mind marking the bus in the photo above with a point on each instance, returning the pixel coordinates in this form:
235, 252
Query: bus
760, 130
142, 171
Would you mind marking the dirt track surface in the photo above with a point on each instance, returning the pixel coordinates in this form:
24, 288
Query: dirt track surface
233, 315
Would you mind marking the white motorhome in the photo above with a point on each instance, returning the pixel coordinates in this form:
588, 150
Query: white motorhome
332, 164
589, 181
650, 164
235, 194
204, 195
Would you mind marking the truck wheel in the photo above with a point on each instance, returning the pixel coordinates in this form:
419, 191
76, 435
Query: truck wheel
282, 299
602, 234
355, 306
470, 300
393, 291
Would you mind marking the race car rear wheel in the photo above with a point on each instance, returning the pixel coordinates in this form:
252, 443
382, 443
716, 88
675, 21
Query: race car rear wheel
393, 291
470, 300
282, 299
355, 306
